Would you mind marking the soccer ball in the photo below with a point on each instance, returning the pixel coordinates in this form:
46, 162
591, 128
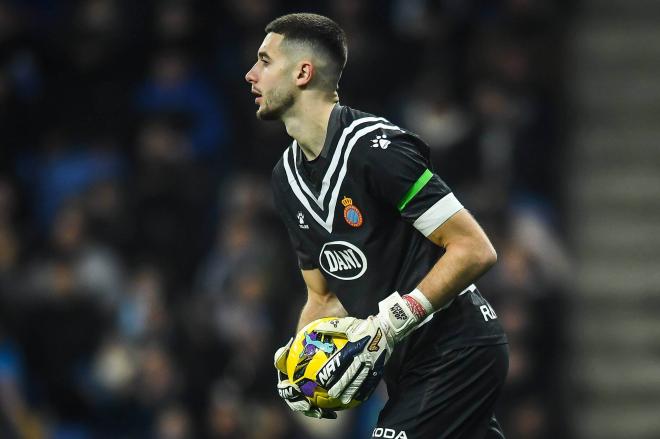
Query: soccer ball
307, 355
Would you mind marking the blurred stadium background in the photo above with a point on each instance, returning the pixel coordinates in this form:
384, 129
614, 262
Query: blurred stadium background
145, 280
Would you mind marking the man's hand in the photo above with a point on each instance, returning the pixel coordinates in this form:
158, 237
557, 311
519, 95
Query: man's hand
358, 366
291, 393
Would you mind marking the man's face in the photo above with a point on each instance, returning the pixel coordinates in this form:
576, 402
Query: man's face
271, 79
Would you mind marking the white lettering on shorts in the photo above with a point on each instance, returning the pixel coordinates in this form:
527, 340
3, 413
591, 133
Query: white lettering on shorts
488, 312
388, 433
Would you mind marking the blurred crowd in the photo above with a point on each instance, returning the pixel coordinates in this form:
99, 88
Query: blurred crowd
145, 279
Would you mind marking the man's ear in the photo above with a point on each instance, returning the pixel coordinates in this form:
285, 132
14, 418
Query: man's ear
305, 72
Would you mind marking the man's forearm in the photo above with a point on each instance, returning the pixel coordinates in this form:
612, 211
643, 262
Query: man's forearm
455, 270
316, 309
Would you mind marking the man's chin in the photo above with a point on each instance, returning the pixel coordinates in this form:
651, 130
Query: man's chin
265, 114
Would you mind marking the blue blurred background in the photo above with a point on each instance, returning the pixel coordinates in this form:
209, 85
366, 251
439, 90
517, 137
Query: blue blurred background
145, 280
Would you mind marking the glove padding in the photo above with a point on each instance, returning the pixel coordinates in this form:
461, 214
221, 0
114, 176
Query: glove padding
291, 393
355, 370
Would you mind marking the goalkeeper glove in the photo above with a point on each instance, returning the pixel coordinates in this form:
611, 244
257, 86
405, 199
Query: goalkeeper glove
291, 393
355, 370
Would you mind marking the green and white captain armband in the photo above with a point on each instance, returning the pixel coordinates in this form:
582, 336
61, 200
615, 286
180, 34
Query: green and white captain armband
400, 315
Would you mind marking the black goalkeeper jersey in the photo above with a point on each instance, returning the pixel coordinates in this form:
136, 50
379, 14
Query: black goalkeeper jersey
360, 213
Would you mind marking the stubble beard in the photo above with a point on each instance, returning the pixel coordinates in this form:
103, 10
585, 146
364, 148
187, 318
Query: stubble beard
274, 107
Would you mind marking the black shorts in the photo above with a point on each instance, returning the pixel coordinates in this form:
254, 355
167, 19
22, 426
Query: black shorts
452, 396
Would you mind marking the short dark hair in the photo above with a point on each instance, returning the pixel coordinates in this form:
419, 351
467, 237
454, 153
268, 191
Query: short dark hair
317, 31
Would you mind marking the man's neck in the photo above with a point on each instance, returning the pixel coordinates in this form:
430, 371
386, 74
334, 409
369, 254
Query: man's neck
308, 125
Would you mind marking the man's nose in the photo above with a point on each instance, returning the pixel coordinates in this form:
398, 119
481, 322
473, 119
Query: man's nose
249, 76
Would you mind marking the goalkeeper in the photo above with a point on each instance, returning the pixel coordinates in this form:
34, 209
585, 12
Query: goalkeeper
383, 244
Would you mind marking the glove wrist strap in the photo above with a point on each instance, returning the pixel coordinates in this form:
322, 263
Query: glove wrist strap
397, 317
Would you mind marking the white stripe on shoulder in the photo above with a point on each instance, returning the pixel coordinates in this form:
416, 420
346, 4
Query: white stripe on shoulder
437, 214
342, 173
337, 154
333, 163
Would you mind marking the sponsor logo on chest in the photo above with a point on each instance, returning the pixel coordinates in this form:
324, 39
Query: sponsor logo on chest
342, 260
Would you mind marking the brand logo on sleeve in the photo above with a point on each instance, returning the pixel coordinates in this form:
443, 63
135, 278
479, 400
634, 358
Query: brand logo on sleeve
342, 260
380, 141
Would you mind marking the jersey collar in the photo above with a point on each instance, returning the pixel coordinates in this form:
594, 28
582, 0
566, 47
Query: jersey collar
341, 138
334, 124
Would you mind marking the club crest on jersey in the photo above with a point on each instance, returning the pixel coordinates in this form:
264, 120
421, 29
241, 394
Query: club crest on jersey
342, 260
352, 214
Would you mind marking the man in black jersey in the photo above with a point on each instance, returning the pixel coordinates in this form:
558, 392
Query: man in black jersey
383, 244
